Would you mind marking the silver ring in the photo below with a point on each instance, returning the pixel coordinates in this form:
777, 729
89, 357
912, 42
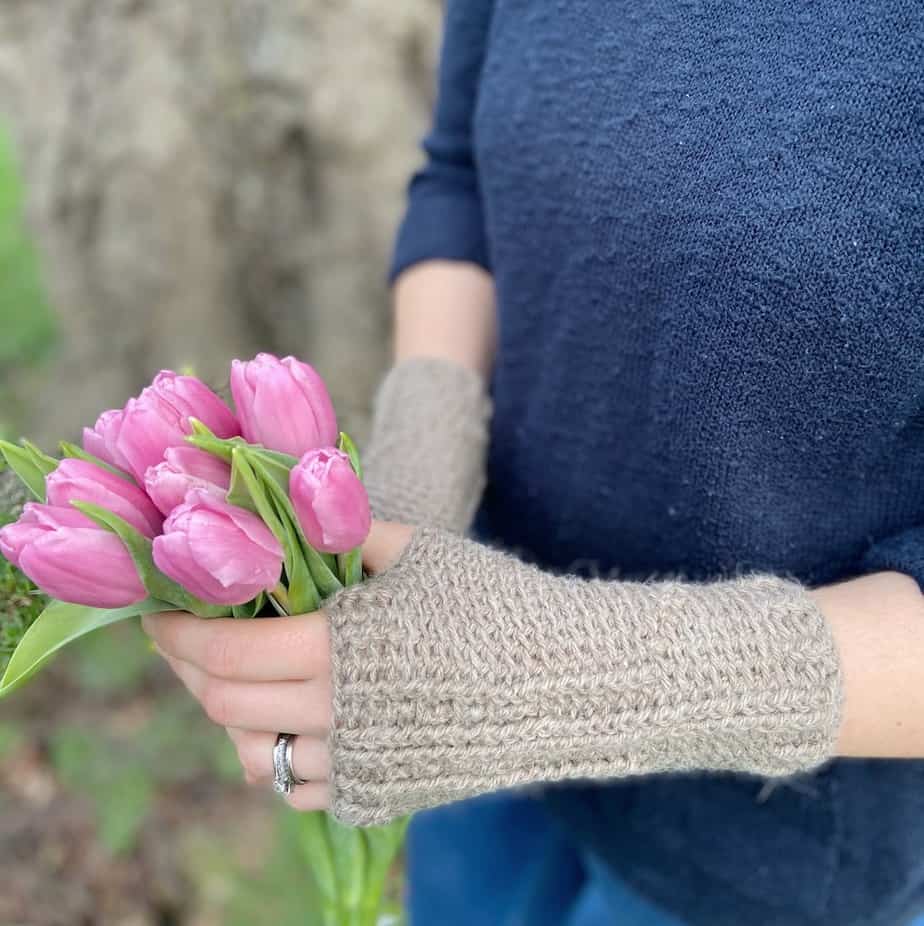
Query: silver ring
284, 778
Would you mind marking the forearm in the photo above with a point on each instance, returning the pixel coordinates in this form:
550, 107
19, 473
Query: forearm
878, 627
425, 462
446, 309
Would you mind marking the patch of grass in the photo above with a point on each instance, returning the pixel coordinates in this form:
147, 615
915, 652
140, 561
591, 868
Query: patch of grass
20, 604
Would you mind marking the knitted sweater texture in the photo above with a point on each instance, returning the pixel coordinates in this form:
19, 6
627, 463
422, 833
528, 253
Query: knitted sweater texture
705, 222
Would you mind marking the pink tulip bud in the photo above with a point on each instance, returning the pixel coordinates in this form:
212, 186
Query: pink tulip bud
35, 521
218, 552
70, 561
101, 439
185, 468
80, 481
330, 501
283, 404
159, 419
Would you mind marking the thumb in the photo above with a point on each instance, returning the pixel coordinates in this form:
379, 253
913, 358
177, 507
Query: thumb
386, 542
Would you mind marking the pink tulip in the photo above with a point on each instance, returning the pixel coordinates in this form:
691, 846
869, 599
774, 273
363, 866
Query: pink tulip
35, 521
159, 419
218, 552
70, 561
80, 481
330, 501
185, 468
100, 440
283, 404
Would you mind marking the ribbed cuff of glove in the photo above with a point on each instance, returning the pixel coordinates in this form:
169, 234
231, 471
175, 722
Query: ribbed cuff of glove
461, 670
425, 462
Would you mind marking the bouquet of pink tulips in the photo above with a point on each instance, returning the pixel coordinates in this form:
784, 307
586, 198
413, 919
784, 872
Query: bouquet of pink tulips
174, 502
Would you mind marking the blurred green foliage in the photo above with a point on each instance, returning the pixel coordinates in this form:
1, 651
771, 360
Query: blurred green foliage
25, 317
122, 766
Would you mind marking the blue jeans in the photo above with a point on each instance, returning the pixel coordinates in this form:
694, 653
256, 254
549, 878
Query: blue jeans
501, 860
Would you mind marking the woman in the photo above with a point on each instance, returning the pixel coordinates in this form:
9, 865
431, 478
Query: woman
682, 243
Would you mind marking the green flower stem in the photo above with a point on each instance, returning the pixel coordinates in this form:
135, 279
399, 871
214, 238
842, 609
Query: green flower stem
350, 567
282, 596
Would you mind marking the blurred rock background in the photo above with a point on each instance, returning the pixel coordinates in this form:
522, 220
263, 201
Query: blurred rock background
209, 179
181, 182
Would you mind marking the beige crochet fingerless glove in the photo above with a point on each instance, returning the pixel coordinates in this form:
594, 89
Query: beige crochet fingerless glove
461, 670
425, 463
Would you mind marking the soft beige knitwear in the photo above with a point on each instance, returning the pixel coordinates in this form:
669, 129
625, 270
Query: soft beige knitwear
425, 463
461, 670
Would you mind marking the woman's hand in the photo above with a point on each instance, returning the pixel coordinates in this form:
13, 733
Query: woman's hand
259, 678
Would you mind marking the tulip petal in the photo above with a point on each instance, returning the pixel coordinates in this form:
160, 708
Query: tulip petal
80, 480
173, 558
83, 566
314, 389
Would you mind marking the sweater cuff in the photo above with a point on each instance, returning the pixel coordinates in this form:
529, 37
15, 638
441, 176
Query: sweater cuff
902, 552
443, 224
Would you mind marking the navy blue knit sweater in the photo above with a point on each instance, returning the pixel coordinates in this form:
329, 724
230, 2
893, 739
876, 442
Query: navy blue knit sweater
705, 221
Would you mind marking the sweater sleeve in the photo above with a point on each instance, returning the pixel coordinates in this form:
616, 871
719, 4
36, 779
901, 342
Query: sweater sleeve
444, 218
903, 552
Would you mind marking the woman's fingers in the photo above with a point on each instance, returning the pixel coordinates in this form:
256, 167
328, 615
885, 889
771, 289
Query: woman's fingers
386, 542
302, 707
310, 756
312, 796
270, 649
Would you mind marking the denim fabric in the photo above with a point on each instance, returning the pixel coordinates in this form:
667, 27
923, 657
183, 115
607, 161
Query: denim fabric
504, 860
501, 860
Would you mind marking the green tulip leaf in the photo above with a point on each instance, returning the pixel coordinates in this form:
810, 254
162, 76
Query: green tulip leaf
46, 463
348, 848
74, 452
350, 567
139, 547
212, 445
203, 438
349, 448
255, 488
327, 582
239, 491
247, 487
316, 848
324, 578
59, 624
200, 429
382, 844
251, 609
30, 464
303, 593
285, 460
275, 465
